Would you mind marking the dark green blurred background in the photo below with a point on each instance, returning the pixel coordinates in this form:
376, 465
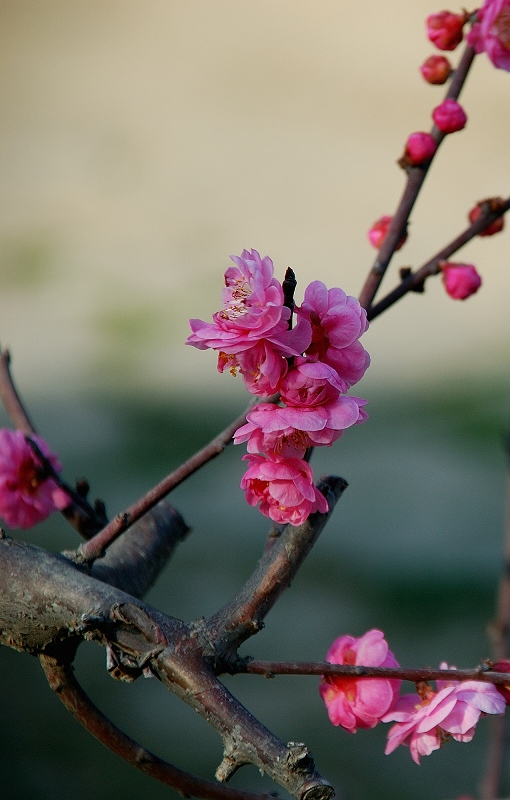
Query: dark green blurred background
414, 548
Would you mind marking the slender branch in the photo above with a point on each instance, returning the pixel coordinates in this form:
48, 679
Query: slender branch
415, 179
271, 668
500, 634
62, 681
10, 397
95, 547
431, 267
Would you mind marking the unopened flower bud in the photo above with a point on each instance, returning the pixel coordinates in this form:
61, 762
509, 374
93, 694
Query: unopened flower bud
444, 29
436, 69
503, 688
460, 280
419, 148
449, 116
378, 232
498, 224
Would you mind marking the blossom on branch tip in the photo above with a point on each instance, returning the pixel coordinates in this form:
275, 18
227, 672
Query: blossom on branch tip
426, 720
491, 32
449, 116
493, 203
445, 29
436, 69
283, 487
379, 230
420, 147
353, 703
27, 495
460, 280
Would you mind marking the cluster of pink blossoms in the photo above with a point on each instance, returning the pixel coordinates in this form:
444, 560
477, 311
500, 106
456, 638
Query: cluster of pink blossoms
27, 495
311, 365
424, 720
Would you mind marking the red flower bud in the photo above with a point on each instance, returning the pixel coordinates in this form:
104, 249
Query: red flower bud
444, 29
378, 231
436, 69
449, 116
460, 280
419, 148
494, 227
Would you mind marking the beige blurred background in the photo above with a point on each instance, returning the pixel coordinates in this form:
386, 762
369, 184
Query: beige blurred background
141, 143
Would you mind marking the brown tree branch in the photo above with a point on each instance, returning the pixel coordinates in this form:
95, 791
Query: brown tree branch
415, 179
431, 267
243, 616
269, 669
62, 681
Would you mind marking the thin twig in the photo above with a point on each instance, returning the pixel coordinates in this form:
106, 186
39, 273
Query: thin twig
271, 668
10, 397
415, 179
431, 267
61, 679
96, 546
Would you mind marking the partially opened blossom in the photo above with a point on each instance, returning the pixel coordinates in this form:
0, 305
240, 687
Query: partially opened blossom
253, 310
436, 69
379, 230
445, 29
420, 147
460, 280
498, 224
425, 721
449, 116
337, 322
491, 32
283, 487
354, 703
27, 495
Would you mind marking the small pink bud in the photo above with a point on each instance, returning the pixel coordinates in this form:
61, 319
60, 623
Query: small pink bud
498, 224
436, 69
378, 232
419, 148
449, 116
503, 689
460, 280
444, 29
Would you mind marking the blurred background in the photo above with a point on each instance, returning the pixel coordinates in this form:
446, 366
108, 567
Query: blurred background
140, 145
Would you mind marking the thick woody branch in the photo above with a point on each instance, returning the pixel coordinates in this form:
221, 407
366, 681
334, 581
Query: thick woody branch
61, 679
243, 616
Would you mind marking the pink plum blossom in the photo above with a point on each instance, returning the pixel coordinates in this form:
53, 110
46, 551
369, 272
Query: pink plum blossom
379, 230
289, 431
444, 29
284, 488
491, 32
253, 310
460, 280
420, 147
26, 495
436, 69
425, 721
449, 116
337, 322
354, 703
